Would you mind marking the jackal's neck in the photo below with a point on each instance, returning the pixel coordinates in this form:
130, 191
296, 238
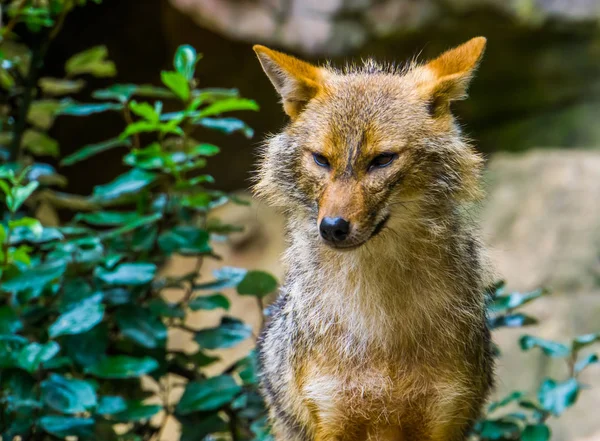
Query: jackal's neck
397, 286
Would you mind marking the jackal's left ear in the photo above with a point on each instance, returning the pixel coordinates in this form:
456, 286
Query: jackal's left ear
296, 81
447, 78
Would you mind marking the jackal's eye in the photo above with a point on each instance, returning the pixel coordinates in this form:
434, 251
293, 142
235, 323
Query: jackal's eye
382, 160
321, 160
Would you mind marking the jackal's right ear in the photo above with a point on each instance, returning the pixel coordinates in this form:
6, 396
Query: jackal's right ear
447, 77
296, 81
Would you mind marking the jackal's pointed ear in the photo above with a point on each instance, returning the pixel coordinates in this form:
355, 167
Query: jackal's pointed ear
447, 78
296, 81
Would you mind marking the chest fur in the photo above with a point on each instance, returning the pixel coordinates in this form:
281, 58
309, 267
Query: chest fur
381, 392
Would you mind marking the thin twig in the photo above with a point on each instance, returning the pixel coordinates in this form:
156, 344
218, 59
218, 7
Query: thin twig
233, 423
13, 22
261, 307
129, 120
165, 399
37, 58
61, 19
38, 53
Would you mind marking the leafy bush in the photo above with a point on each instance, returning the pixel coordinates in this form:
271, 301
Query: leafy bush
82, 313
528, 416
83, 316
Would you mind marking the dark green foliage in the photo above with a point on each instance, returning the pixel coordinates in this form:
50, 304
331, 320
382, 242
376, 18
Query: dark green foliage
82, 312
82, 309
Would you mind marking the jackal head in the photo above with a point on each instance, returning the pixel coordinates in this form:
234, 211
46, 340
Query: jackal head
368, 148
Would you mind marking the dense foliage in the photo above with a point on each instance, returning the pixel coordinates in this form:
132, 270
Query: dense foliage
84, 320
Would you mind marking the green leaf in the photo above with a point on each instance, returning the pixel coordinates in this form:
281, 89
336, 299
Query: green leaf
557, 397
145, 126
9, 321
137, 411
19, 194
257, 283
29, 223
68, 395
129, 274
35, 278
87, 249
530, 404
210, 302
118, 92
40, 144
261, 430
42, 113
498, 430
78, 109
210, 394
24, 234
7, 82
10, 349
212, 94
150, 157
122, 366
199, 180
57, 363
516, 320
19, 392
585, 362
537, 432
124, 92
79, 318
229, 333
205, 150
226, 125
145, 111
514, 300
163, 309
247, 368
135, 224
88, 348
118, 296
45, 174
199, 201
34, 354
585, 340
550, 348
201, 359
110, 405
91, 61
186, 240
226, 277
185, 61
513, 396
59, 86
177, 83
94, 149
197, 427
130, 182
107, 218
141, 326
228, 105
62, 426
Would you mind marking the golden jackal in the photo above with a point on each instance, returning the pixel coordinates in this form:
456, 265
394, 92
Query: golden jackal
379, 332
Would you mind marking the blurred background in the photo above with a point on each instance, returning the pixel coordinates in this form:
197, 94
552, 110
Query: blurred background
534, 111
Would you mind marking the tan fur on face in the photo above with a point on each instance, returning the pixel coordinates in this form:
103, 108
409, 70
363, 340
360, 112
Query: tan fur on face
387, 341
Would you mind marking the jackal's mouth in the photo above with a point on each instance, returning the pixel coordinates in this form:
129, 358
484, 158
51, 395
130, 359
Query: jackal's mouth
380, 226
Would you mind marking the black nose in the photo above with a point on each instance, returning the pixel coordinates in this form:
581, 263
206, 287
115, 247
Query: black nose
334, 229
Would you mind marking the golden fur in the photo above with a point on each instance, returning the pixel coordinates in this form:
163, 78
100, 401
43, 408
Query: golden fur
386, 339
